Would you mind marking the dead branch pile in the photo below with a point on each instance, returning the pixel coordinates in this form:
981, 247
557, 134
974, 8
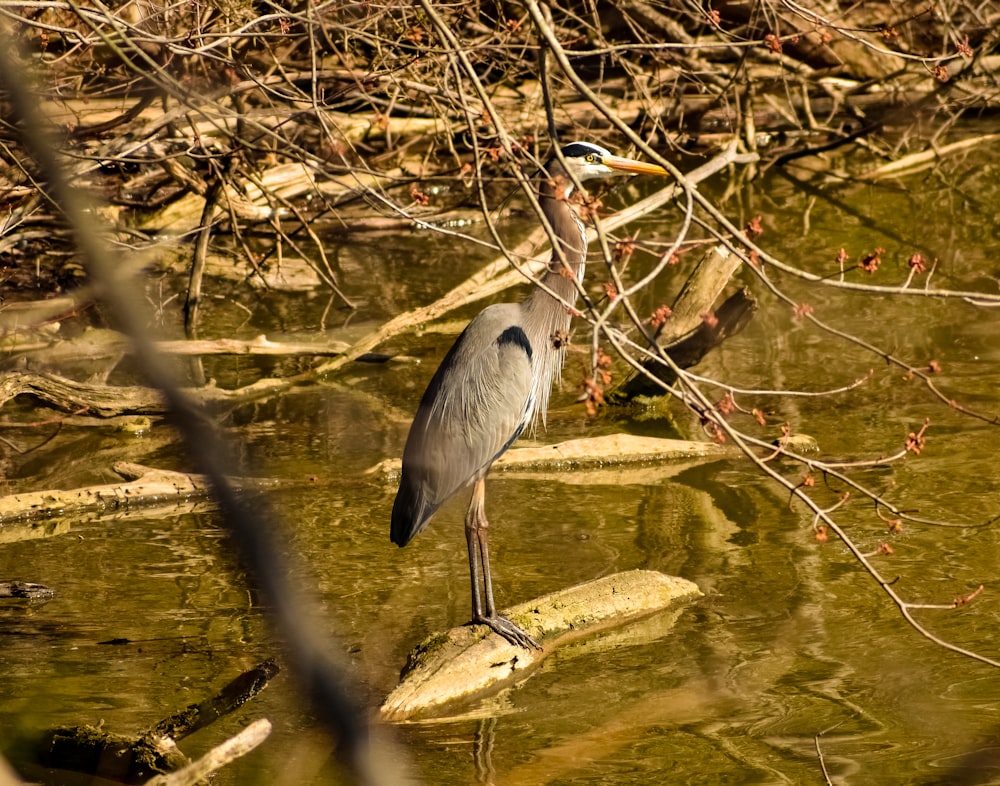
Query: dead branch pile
234, 116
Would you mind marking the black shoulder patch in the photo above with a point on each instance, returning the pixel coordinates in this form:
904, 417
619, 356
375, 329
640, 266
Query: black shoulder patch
516, 336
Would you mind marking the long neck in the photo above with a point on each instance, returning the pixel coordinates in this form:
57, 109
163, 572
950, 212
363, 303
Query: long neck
547, 316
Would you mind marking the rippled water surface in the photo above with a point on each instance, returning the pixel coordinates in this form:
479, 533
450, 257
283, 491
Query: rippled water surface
793, 661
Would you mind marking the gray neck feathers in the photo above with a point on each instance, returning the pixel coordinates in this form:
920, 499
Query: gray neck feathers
546, 317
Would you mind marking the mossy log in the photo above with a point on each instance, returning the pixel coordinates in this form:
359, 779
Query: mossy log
450, 669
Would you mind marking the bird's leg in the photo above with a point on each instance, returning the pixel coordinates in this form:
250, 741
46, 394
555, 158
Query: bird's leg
477, 540
472, 542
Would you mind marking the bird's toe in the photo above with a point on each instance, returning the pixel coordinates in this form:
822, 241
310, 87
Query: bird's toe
509, 631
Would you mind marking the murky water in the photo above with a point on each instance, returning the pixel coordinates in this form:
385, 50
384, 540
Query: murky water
793, 650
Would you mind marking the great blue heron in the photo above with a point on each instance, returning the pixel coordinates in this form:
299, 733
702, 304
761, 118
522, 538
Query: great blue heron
496, 380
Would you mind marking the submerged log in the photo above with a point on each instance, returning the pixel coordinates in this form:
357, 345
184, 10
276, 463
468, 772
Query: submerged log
25, 589
136, 759
234, 695
450, 669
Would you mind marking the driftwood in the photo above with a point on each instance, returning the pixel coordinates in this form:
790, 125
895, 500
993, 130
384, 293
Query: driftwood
450, 669
917, 162
136, 759
71, 396
142, 486
593, 452
95, 343
110, 401
729, 319
260, 200
701, 289
17, 316
217, 758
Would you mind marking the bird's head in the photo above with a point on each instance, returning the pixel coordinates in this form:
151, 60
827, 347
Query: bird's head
587, 161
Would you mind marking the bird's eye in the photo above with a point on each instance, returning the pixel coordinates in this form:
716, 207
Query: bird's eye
591, 158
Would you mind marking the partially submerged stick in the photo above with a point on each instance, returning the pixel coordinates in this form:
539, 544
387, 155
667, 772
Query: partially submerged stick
450, 669
237, 693
217, 758
916, 162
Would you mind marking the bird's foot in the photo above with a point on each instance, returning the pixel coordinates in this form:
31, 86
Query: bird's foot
508, 630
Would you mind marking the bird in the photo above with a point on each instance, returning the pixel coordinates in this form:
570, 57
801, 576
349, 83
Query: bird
495, 381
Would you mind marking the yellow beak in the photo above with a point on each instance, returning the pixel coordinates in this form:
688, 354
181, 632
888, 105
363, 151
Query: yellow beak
635, 167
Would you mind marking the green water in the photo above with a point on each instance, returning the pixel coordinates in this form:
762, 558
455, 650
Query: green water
791, 641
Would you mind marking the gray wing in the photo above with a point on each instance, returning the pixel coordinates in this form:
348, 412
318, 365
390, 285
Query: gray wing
475, 406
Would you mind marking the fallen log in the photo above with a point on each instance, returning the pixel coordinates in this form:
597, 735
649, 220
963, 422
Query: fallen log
96, 343
449, 670
726, 321
142, 486
260, 200
925, 159
591, 453
110, 401
72, 396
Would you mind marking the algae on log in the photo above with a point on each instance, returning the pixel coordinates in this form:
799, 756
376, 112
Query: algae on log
471, 662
